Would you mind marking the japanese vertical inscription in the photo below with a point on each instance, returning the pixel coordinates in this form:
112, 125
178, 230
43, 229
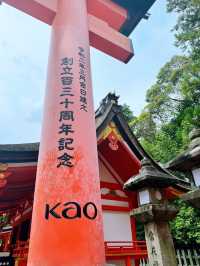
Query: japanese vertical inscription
82, 79
66, 115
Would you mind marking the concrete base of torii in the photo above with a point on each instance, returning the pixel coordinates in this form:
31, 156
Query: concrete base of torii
160, 246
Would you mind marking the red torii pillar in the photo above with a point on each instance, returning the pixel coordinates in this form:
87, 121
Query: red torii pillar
67, 218
128, 261
67, 169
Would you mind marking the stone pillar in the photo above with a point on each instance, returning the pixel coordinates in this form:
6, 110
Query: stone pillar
67, 217
159, 241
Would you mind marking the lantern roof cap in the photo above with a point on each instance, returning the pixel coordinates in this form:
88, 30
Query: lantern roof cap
150, 176
190, 158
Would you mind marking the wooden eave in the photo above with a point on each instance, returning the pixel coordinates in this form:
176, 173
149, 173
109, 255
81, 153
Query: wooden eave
137, 10
186, 161
19, 153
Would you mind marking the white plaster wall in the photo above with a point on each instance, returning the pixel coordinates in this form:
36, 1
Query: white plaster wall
117, 226
114, 203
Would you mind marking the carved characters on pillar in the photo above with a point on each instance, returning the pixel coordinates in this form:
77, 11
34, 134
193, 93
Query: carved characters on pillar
151, 236
153, 252
82, 80
66, 115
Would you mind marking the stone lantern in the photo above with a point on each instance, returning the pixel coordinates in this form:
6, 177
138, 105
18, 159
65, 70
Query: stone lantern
155, 212
189, 162
193, 197
195, 151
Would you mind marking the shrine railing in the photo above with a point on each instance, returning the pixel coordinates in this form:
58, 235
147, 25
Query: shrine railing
112, 248
126, 248
20, 249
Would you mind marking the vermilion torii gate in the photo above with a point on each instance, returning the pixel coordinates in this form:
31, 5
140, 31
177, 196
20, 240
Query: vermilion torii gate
67, 223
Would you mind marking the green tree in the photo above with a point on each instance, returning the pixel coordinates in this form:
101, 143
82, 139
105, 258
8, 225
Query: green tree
172, 109
186, 227
187, 31
127, 112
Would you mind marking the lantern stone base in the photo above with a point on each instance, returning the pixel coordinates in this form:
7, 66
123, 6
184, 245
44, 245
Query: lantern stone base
160, 246
193, 198
154, 212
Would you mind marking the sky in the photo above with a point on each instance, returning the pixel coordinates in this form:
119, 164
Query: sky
24, 47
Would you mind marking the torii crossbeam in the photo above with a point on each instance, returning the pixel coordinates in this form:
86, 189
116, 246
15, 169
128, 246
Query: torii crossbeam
67, 218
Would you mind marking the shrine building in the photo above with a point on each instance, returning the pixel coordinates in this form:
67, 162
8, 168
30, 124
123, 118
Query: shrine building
119, 156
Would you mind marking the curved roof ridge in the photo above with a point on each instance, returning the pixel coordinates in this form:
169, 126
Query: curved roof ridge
34, 146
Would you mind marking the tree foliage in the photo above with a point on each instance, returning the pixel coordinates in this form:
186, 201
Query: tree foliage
172, 109
173, 105
186, 227
187, 31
